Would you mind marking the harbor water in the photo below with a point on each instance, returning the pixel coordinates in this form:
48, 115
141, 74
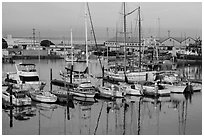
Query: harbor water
178, 114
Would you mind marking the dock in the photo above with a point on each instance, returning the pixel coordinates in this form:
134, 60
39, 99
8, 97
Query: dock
62, 83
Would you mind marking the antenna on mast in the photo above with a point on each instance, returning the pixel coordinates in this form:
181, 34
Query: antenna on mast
158, 28
107, 44
86, 37
34, 37
139, 39
124, 37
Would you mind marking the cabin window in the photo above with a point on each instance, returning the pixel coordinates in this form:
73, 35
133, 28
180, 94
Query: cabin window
19, 95
132, 86
32, 78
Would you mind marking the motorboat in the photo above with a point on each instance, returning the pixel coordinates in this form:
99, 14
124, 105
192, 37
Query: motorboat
19, 98
43, 96
25, 77
85, 89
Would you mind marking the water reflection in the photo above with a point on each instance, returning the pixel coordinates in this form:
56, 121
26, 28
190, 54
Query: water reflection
20, 113
130, 116
191, 72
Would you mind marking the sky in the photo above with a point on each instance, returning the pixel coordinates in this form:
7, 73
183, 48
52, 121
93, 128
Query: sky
56, 19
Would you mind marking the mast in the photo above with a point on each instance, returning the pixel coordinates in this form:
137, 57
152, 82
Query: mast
39, 54
64, 45
107, 44
124, 38
86, 37
116, 39
159, 28
72, 66
92, 27
139, 39
72, 49
33, 37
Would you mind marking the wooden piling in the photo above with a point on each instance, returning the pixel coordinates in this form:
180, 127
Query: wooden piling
11, 117
103, 76
10, 91
71, 74
146, 76
11, 105
50, 79
7, 76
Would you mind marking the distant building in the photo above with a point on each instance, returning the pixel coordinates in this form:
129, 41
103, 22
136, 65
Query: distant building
23, 43
188, 41
177, 42
117, 44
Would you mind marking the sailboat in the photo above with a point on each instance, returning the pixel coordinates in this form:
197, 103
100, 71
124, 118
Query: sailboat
85, 89
77, 76
121, 73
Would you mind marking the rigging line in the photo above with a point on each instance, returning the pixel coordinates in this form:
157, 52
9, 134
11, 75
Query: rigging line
131, 12
98, 120
93, 32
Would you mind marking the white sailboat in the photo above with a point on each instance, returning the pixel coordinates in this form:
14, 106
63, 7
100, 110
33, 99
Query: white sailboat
111, 92
77, 76
132, 89
43, 96
85, 89
135, 76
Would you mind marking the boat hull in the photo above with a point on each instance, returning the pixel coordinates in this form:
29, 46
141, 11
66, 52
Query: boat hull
153, 91
132, 76
16, 101
43, 98
196, 87
80, 94
176, 88
109, 93
136, 91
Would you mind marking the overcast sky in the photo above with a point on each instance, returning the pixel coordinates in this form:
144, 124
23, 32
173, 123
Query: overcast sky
54, 19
